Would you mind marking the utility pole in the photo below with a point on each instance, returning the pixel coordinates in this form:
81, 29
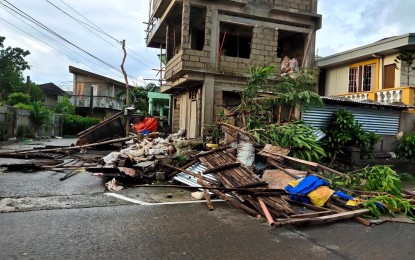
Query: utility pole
28, 85
127, 101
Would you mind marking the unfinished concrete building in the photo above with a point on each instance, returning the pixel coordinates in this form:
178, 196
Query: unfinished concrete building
209, 47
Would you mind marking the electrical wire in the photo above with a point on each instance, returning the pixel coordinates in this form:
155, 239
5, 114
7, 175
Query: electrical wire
17, 29
36, 22
64, 48
97, 28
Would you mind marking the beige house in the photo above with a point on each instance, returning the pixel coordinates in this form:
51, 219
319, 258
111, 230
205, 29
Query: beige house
370, 72
210, 45
95, 95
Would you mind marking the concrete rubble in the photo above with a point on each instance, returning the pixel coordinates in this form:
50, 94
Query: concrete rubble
263, 181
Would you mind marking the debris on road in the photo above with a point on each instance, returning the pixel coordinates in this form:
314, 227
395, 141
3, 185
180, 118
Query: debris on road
261, 180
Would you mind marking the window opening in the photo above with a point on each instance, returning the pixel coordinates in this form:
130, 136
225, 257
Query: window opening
290, 49
235, 40
197, 27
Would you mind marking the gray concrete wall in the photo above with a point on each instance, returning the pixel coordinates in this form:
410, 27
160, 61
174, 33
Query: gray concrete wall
14, 118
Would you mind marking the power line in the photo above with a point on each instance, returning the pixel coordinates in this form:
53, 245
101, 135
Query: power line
97, 28
58, 43
17, 29
28, 17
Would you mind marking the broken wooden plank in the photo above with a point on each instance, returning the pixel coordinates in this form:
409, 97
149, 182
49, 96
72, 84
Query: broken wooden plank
74, 147
358, 219
275, 164
205, 193
222, 167
323, 219
187, 165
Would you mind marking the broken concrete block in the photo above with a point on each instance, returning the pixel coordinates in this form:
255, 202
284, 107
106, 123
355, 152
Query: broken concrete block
197, 195
160, 176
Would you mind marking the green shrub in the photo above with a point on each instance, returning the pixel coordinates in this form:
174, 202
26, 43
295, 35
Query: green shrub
406, 147
24, 106
345, 131
64, 106
18, 97
25, 132
73, 124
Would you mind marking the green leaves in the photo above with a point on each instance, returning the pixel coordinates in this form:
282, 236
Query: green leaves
406, 147
12, 65
345, 131
378, 178
297, 136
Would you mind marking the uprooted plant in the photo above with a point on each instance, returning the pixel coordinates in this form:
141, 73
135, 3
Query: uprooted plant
267, 109
265, 103
297, 136
384, 186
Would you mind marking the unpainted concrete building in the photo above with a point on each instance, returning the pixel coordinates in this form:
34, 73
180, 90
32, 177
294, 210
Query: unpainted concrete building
209, 47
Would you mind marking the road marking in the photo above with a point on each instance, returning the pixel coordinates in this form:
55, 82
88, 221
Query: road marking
122, 197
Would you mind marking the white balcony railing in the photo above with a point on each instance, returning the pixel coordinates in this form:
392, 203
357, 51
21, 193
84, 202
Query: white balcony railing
97, 102
403, 95
389, 96
357, 96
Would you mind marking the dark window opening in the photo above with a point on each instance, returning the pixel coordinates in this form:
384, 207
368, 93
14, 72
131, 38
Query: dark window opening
291, 46
235, 40
174, 32
197, 28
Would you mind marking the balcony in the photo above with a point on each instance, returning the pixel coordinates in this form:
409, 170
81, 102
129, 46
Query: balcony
403, 95
97, 102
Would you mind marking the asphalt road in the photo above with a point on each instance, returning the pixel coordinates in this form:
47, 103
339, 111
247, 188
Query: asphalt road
44, 218
190, 231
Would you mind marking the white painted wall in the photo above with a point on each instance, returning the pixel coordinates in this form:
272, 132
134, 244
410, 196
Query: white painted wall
337, 81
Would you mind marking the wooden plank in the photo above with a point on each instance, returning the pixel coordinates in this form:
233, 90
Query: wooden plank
222, 167
205, 193
323, 219
358, 219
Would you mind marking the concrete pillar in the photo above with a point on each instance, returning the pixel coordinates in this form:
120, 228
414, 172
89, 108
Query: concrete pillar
214, 38
185, 38
170, 112
150, 106
208, 91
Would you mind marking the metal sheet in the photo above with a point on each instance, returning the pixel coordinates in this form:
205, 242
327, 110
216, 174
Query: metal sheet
380, 121
190, 180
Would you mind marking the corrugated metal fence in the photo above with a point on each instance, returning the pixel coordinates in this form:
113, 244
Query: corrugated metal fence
380, 121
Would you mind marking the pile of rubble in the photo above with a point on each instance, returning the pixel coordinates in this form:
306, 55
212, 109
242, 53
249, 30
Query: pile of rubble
263, 183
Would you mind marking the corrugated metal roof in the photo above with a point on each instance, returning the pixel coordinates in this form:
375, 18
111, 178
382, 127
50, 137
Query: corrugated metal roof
365, 103
380, 121
191, 180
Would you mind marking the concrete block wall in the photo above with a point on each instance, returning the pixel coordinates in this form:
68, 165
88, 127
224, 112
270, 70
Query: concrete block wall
176, 114
174, 65
264, 45
195, 60
307, 6
263, 52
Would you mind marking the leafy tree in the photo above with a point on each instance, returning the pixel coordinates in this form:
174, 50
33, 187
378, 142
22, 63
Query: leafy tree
264, 102
12, 65
138, 96
36, 94
407, 59
64, 106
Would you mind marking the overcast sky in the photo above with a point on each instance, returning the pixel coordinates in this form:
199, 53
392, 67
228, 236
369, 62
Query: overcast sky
346, 24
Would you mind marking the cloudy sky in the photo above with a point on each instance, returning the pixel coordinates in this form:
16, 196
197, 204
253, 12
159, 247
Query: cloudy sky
91, 43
